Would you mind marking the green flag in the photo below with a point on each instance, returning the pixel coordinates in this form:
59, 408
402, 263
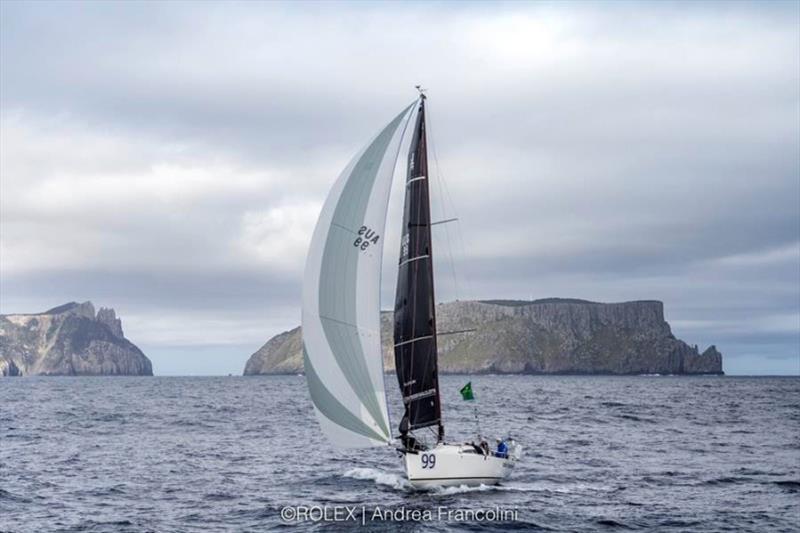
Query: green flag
466, 392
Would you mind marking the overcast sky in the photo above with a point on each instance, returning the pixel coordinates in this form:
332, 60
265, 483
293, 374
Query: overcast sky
169, 160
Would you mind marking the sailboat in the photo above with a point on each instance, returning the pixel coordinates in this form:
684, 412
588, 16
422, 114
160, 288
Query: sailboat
341, 317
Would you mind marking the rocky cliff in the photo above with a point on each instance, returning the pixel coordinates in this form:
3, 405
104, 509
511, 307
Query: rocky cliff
68, 340
553, 336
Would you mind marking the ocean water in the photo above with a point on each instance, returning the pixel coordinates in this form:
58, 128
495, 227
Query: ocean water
231, 454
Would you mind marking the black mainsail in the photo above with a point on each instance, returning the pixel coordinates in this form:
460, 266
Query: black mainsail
414, 309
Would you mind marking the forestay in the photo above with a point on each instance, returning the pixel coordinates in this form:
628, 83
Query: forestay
341, 297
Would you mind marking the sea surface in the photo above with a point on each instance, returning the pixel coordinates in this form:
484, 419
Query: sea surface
232, 453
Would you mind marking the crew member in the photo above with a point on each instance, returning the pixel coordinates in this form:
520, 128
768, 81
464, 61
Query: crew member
485, 447
502, 449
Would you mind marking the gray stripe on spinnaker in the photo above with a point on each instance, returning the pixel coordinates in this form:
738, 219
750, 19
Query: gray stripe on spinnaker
329, 406
337, 287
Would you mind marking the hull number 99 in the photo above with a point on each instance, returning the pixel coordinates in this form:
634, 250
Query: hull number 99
428, 460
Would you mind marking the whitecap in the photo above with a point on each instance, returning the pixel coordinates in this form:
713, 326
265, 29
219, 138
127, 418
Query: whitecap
380, 477
462, 489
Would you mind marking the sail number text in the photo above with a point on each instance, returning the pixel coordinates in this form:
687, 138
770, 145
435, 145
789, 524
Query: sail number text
366, 236
428, 460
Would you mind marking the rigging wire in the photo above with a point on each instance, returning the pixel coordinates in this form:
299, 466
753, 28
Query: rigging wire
442, 207
444, 194
446, 197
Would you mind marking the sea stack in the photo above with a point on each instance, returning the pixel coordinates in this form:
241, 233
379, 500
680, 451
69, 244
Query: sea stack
68, 340
551, 336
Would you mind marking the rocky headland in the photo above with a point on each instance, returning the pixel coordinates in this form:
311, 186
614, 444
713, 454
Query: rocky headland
69, 340
551, 336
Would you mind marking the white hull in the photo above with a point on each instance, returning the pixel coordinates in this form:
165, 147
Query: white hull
449, 465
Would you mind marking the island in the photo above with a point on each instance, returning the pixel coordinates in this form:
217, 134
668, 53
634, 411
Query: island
68, 340
549, 336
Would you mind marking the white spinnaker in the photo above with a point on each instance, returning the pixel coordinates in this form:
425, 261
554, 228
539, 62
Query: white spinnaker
341, 297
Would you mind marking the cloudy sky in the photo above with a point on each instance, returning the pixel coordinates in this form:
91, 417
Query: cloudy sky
169, 160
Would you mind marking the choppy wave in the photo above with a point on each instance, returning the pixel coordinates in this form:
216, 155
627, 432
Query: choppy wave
226, 454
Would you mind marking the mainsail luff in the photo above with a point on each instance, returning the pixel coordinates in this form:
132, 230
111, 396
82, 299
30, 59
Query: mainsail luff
415, 344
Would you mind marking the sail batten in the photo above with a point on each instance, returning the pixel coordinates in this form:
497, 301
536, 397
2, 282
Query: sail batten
341, 297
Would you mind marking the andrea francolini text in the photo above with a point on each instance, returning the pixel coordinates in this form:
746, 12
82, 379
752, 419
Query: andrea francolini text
442, 514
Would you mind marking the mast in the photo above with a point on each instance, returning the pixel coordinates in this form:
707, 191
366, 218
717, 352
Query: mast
415, 310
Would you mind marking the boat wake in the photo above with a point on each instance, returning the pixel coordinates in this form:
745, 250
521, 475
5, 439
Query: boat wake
399, 482
387, 479
463, 489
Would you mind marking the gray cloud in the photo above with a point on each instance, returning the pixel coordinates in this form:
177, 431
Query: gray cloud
169, 160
